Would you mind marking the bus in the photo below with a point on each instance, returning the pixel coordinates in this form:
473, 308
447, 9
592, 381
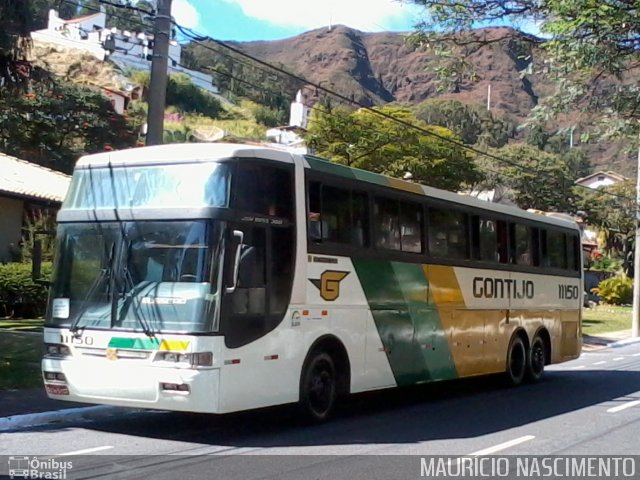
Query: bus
220, 277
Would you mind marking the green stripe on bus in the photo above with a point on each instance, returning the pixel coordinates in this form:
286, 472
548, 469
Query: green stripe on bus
408, 324
134, 343
428, 332
344, 171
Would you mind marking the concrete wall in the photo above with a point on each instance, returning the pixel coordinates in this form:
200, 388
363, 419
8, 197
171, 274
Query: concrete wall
11, 212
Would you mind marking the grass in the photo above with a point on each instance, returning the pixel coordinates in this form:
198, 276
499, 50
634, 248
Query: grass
20, 357
605, 318
26, 325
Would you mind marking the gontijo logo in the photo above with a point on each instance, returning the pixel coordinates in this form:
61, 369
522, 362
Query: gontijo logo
329, 284
26, 467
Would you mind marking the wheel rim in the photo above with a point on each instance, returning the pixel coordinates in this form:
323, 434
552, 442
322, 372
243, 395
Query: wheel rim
537, 358
517, 362
321, 389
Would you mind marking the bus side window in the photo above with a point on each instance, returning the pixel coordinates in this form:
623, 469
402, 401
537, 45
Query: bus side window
503, 242
386, 226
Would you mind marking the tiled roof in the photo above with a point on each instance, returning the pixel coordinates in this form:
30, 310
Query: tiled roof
18, 177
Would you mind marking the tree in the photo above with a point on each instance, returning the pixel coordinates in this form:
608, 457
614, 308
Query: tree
472, 123
55, 122
366, 140
539, 180
15, 43
593, 52
612, 210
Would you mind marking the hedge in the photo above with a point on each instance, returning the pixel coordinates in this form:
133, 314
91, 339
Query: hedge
19, 296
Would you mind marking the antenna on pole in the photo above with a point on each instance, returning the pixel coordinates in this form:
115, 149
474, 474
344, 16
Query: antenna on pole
330, 20
489, 97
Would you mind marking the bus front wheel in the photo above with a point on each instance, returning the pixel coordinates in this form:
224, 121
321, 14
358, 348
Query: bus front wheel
536, 359
516, 361
318, 389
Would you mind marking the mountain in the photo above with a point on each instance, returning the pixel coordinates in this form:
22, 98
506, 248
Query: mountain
379, 68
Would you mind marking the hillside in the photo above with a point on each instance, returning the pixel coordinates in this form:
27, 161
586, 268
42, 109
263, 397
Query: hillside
378, 68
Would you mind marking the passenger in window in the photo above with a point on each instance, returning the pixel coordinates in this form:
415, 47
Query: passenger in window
525, 258
315, 226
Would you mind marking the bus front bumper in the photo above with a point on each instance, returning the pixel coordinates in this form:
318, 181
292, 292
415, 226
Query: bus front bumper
127, 383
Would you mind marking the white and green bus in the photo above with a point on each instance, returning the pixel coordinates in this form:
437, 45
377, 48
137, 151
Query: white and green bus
218, 278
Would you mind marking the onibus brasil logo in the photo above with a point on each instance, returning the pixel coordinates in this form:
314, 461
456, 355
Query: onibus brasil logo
329, 284
27, 467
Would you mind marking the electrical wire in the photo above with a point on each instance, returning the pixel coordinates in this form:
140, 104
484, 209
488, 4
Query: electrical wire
199, 39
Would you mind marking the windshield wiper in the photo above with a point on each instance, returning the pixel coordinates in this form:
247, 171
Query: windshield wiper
105, 274
129, 296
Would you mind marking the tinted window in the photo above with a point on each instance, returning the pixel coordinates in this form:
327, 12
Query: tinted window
573, 252
411, 227
448, 234
523, 245
485, 238
386, 228
554, 253
264, 189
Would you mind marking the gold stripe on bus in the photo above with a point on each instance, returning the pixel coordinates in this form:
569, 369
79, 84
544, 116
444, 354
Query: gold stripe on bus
406, 186
174, 345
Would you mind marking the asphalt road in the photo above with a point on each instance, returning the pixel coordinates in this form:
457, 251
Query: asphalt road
590, 406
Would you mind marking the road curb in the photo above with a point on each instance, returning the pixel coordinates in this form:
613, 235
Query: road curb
57, 416
622, 343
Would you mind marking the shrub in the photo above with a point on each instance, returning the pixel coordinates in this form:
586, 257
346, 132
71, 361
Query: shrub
19, 296
616, 290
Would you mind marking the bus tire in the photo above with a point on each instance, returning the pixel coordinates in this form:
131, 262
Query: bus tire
319, 387
516, 361
536, 359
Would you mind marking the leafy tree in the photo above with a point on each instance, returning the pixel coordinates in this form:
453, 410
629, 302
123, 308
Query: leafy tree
538, 179
15, 43
592, 53
184, 95
612, 209
366, 140
55, 122
472, 123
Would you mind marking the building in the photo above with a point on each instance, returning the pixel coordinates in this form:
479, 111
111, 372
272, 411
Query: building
124, 48
290, 136
25, 187
600, 179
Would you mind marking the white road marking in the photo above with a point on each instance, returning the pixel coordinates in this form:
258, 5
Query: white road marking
624, 406
86, 450
636, 355
617, 359
578, 367
600, 363
502, 446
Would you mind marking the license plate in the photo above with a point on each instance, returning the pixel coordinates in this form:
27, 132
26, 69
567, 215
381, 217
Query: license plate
57, 389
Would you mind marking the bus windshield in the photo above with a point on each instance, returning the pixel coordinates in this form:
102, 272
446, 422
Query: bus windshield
150, 276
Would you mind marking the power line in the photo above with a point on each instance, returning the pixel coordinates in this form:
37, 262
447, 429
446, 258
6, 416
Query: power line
198, 39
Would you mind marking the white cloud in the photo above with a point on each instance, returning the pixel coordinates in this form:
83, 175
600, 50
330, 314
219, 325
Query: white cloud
185, 13
367, 15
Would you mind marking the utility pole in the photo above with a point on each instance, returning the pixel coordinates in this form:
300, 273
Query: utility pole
159, 64
635, 320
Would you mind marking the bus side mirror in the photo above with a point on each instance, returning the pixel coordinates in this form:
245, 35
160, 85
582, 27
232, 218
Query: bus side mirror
238, 235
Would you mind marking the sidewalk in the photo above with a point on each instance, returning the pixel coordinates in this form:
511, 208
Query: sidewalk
598, 342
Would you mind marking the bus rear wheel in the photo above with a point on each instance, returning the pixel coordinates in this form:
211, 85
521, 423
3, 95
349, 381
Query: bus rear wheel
536, 359
516, 361
319, 387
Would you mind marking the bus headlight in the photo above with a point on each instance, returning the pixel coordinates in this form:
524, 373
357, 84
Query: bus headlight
199, 359
57, 350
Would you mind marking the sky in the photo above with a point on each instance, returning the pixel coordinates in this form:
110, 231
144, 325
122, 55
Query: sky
246, 20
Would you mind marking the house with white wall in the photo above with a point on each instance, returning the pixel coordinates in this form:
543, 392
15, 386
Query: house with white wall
600, 179
126, 49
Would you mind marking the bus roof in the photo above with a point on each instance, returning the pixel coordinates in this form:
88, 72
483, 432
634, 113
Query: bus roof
166, 154
172, 153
